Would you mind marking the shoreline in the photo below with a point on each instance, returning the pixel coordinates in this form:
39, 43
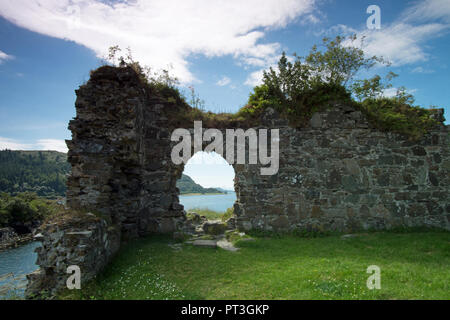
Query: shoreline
16, 242
204, 194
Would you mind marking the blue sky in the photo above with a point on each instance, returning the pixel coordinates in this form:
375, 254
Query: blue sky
47, 49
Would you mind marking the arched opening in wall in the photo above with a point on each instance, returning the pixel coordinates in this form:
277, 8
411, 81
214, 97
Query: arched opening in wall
206, 187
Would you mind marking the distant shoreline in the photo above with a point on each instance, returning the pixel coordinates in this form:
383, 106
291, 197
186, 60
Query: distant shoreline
204, 194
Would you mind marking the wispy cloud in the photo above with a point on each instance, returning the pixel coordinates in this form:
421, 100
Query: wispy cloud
52, 144
422, 70
41, 144
392, 92
403, 41
163, 31
223, 82
12, 144
428, 10
4, 57
255, 78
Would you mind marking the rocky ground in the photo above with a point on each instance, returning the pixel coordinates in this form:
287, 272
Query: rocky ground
202, 232
9, 238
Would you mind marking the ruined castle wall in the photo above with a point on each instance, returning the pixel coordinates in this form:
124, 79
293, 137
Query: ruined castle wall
337, 174
85, 241
120, 155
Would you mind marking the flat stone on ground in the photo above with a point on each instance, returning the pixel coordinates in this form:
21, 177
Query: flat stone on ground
226, 245
205, 243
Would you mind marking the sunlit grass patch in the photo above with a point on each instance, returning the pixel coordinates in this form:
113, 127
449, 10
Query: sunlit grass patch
413, 265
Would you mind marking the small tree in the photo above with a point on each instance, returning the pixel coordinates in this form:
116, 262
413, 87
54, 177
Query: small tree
341, 60
195, 100
289, 81
334, 67
158, 79
372, 88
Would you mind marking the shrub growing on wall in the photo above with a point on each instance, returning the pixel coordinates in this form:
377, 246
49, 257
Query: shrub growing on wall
299, 88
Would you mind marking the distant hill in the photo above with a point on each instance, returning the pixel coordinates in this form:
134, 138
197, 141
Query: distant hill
43, 172
187, 185
224, 190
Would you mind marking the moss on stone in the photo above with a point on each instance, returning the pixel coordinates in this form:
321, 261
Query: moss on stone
384, 114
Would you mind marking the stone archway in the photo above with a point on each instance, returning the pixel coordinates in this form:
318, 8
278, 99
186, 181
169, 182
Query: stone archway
210, 170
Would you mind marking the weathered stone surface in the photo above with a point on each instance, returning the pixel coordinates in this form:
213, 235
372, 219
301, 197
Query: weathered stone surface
205, 243
9, 238
85, 241
226, 245
214, 227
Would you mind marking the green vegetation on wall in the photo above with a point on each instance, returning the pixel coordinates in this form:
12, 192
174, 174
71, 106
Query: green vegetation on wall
299, 87
323, 78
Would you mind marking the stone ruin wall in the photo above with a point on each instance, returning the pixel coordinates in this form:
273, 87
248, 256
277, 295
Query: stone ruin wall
341, 175
337, 174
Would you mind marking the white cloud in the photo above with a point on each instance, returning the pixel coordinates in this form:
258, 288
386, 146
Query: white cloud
223, 82
210, 170
41, 144
4, 57
52, 144
401, 43
255, 78
162, 31
389, 93
12, 144
337, 29
422, 70
428, 10
392, 92
207, 158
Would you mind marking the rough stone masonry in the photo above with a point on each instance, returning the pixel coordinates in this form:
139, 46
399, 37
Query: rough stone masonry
339, 173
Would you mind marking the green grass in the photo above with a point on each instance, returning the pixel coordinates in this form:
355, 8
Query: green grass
413, 265
209, 214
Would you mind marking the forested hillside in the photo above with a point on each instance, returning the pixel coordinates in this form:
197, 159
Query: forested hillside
42, 172
187, 185
45, 173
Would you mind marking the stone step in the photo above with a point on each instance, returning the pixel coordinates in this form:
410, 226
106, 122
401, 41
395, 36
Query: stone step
226, 245
205, 243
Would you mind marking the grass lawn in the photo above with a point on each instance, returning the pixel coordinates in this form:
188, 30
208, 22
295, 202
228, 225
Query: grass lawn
414, 265
209, 214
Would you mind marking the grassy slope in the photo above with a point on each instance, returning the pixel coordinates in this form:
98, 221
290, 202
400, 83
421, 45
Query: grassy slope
413, 266
209, 214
